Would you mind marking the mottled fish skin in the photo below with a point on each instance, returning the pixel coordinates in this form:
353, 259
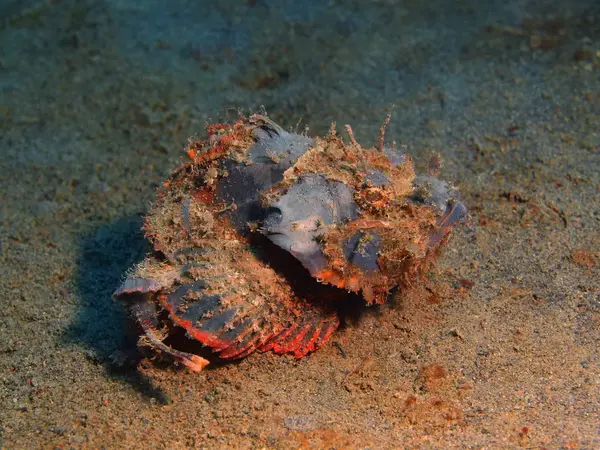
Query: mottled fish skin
432, 191
429, 190
300, 215
133, 284
274, 152
253, 195
350, 236
362, 250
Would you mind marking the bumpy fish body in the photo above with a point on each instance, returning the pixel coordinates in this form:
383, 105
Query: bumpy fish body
244, 228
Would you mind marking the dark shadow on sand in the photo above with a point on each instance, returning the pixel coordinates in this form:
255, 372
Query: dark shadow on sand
102, 325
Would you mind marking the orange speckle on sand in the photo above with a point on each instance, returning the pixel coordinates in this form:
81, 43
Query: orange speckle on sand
433, 372
410, 400
583, 257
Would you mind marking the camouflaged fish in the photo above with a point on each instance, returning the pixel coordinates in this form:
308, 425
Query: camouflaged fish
263, 235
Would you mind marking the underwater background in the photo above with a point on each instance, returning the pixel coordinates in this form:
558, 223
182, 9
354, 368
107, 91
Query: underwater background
97, 101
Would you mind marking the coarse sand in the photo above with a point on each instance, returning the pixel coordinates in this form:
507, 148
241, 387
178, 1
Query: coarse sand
498, 348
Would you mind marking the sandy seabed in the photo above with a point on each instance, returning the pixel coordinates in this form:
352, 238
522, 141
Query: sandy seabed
501, 350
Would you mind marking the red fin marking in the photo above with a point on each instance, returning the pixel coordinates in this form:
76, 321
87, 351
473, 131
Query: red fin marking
246, 352
278, 341
239, 352
326, 333
284, 345
307, 344
297, 340
270, 340
204, 337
